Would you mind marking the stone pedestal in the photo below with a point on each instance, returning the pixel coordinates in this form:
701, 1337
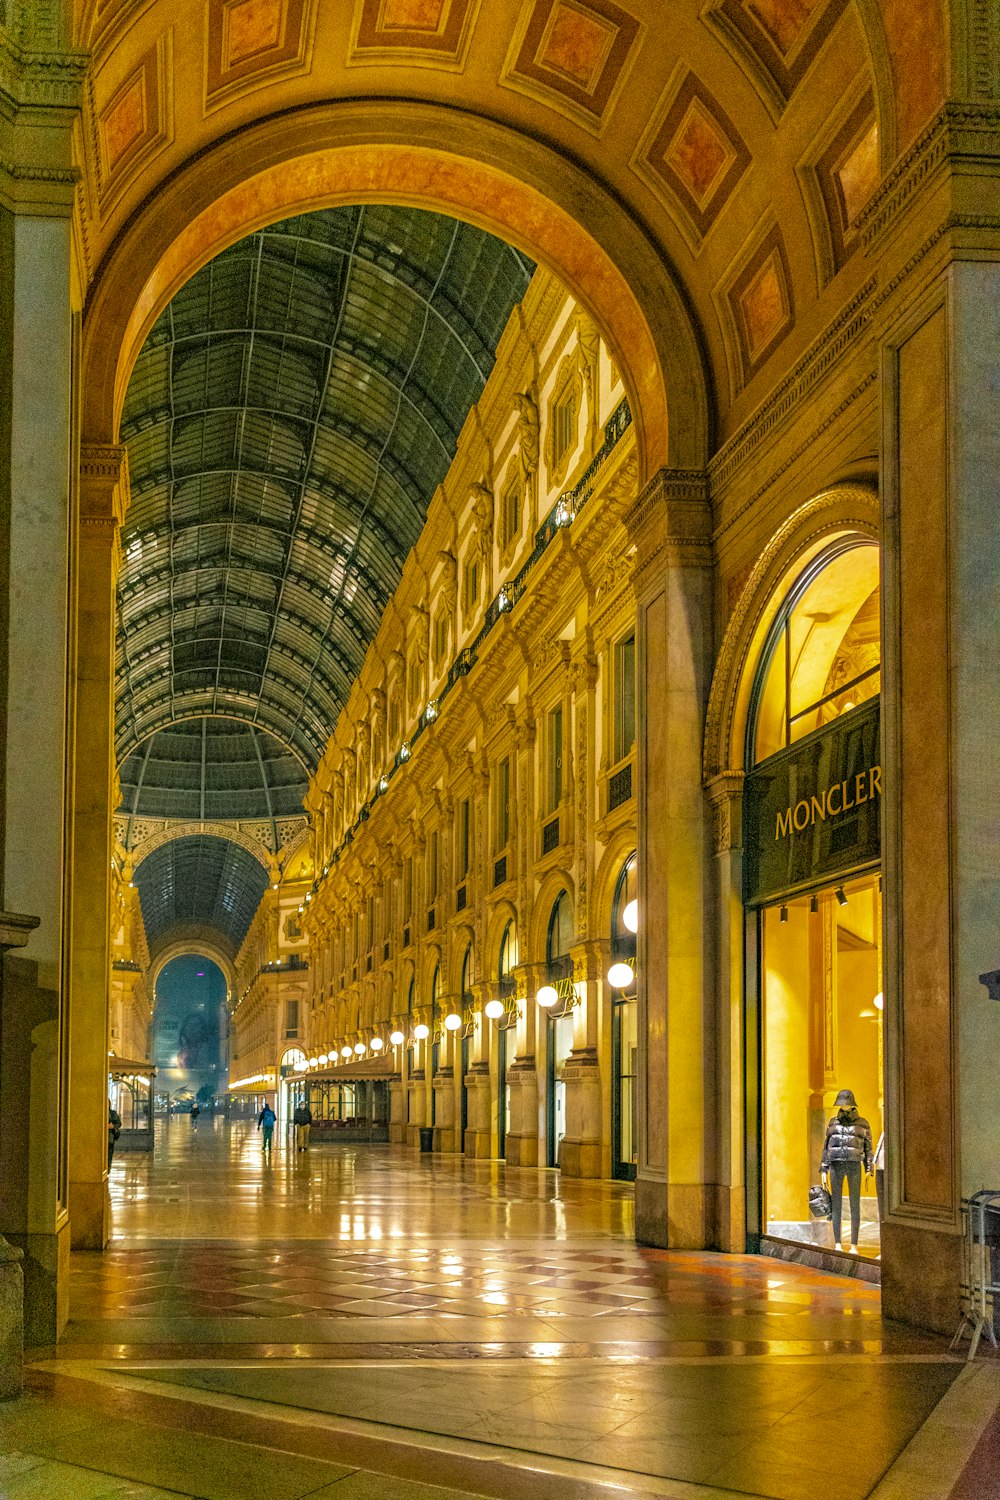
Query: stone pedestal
417, 1088
11, 1321
522, 1125
397, 1112
580, 1152
477, 1132
443, 1085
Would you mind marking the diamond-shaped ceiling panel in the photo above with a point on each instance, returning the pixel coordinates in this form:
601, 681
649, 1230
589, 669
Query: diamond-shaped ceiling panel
287, 422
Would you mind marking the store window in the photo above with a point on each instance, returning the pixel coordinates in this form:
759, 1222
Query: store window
559, 1023
812, 886
505, 1033
624, 1028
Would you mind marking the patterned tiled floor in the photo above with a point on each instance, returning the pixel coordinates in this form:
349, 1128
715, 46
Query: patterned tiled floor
363, 1321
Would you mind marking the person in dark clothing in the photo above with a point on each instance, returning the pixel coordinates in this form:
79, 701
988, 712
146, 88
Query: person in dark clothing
265, 1124
195, 1112
847, 1148
114, 1131
303, 1120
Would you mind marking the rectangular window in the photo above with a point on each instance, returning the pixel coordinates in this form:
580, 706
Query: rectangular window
510, 513
501, 796
432, 868
563, 426
471, 584
464, 838
291, 1018
440, 639
554, 754
624, 697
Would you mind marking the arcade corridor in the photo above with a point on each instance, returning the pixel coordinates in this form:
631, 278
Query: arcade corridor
311, 1326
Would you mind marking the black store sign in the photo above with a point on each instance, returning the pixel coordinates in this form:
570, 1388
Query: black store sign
812, 812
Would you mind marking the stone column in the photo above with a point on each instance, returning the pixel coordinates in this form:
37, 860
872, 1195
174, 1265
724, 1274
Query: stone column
103, 501
941, 813
525, 1076
676, 1191
725, 793
36, 357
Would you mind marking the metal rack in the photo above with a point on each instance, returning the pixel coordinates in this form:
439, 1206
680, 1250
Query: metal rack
980, 1236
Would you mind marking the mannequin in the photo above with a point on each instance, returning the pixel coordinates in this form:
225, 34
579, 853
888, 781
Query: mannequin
847, 1148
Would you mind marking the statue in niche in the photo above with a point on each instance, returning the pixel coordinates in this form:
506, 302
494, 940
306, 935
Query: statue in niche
481, 500
590, 364
529, 442
449, 578
420, 629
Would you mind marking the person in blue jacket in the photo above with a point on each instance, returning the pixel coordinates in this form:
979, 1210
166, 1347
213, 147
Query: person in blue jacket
265, 1123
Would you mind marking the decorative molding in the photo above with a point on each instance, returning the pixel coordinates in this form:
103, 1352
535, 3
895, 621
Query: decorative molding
725, 793
249, 43
779, 41
967, 131
16, 929
41, 79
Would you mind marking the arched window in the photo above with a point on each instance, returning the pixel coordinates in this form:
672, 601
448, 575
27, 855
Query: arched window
508, 959
560, 938
435, 984
467, 973
622, 935
822, 656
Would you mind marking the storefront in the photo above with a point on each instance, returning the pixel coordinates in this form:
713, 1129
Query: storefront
812, 897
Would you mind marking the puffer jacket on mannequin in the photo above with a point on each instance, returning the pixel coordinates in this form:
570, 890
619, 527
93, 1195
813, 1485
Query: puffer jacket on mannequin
848, 1135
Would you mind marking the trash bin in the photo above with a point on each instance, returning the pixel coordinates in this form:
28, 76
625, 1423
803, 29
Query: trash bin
426, 1138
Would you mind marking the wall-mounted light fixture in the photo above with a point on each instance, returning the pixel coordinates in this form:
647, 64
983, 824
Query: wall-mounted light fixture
494, 1010
620, 976
377, 1044
841, 895
630, 916
453, 1021
783, 914
547, 996
397, 1038
814, 904
421, 1032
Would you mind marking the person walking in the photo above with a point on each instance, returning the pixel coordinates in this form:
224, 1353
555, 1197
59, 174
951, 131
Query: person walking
303, 1120
265, 1124
114, 1131
195, 1112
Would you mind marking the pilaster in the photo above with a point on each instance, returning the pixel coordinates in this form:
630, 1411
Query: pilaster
671, 527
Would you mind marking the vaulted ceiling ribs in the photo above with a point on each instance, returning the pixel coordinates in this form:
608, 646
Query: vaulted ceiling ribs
288, 420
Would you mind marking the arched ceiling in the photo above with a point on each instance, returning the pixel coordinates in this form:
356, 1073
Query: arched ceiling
212, 770
203, 880
287, 422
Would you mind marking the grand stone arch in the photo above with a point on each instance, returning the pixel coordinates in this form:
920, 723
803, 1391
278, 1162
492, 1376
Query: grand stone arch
422, 156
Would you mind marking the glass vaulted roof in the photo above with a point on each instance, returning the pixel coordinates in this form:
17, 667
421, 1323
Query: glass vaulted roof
203, 880
287, 421
209, 770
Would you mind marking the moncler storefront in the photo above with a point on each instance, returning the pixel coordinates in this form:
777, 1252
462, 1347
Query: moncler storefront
812, 899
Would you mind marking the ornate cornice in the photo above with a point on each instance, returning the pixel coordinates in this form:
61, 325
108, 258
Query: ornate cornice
967, 132
41, 80
672, 520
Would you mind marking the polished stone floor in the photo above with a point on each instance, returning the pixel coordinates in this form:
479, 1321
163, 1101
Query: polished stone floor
359, 1321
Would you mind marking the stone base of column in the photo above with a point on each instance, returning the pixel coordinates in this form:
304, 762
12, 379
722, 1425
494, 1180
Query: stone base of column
444, 1138
397, 1133
580, 1158
522, 1150
89, 1215
413, 1136
921, 1273
11, 1321
677, 1215
45, 1270
478, 1144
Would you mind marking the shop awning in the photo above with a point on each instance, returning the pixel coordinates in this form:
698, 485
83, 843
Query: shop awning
120, 1067
369, 1069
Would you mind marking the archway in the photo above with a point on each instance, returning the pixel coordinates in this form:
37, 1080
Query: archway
500, 180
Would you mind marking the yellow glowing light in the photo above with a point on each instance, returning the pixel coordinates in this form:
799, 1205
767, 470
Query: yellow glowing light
397, 1039
878, 1002
630, 916
345, 1052
360, 1048
620, 976
453, 1021
547, 996
421, 1032
377, 1044
494, 1009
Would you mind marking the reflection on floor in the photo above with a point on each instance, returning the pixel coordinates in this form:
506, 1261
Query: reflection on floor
361, 1321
